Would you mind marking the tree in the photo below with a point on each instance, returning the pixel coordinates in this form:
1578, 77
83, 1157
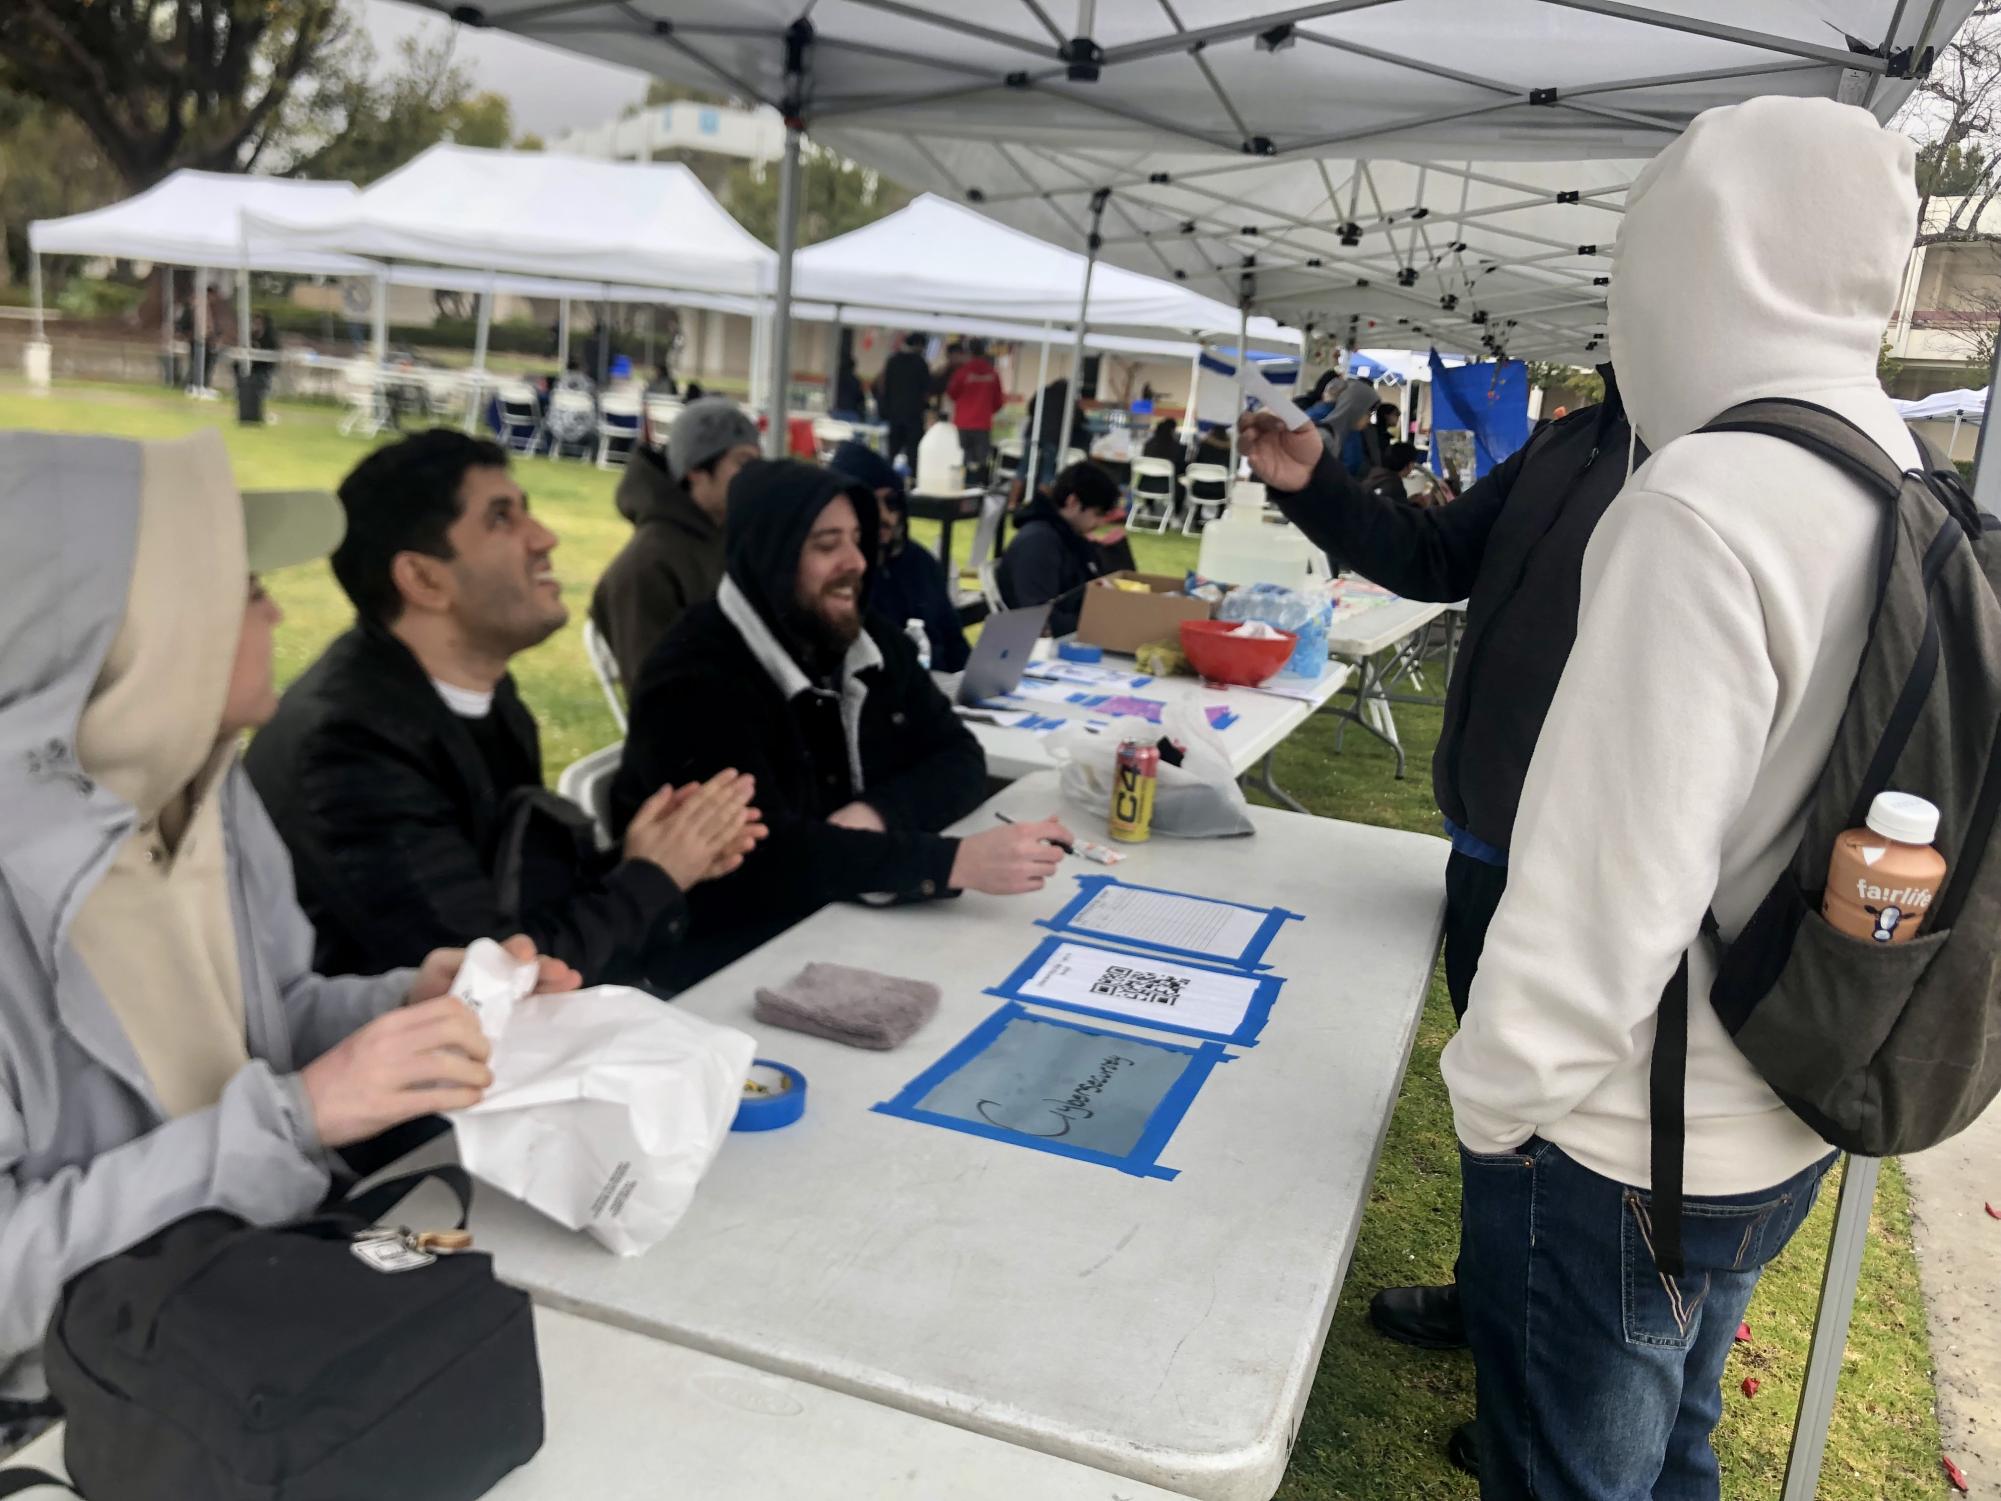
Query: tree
1587, 387
531, 142
1950, 171
664, 91
49, 166
1955, 116
360, 125
163, 84
835, 196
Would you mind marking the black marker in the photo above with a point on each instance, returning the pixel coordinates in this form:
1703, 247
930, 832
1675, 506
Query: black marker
1066, 848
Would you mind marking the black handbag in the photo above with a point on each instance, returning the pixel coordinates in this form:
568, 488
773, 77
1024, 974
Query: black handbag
323, 1360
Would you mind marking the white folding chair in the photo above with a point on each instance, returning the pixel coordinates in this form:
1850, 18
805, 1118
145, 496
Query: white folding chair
1208, 491
1008, 454
1071, 456
829, 433
660, 414
986, 536
990, 586
367, 405
1153, 494
605, 665
587, 783
618, 428
520, 417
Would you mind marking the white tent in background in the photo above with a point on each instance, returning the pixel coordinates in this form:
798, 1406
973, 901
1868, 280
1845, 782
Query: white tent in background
529, 213
191, 219
1946, 406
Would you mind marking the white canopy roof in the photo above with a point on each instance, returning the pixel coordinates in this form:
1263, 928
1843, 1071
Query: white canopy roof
1232, 135
535, 214
190, 219
1945, 405
937, 256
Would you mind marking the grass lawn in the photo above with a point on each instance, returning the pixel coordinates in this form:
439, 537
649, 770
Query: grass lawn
1379, 1414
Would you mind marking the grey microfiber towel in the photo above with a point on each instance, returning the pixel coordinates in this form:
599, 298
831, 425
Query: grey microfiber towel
855, 1006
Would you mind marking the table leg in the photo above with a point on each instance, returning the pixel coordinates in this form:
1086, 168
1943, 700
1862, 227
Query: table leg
945, 546
1269, 782
1370, 700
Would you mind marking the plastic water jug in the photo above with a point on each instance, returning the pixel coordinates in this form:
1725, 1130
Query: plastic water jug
941, 462
1243, 546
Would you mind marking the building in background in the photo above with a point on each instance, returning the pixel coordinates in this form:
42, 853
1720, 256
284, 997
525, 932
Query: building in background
674, 132
1943, 334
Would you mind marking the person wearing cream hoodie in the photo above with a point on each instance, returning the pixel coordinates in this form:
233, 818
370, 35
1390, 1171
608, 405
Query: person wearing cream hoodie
164, 1045
1724, 607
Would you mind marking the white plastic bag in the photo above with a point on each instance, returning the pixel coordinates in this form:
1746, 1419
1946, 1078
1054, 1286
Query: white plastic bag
1199, 799
607, 1105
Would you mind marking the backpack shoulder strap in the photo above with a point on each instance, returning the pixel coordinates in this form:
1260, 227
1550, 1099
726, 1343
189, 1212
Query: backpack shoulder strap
1814, 428
13, 1482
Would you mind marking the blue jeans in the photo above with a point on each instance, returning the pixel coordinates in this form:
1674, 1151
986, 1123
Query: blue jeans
1599, 1377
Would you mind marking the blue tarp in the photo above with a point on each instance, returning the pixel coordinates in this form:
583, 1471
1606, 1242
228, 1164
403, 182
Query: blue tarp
1491, 401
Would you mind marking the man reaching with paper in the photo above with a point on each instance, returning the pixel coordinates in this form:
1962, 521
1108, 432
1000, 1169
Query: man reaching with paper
165, 1046
859, 759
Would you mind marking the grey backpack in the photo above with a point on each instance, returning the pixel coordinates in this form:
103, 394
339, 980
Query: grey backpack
1881, 1048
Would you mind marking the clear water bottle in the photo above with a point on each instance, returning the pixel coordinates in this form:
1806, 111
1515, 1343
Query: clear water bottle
921, 639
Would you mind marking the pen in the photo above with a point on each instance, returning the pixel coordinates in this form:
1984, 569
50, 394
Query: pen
1067, 849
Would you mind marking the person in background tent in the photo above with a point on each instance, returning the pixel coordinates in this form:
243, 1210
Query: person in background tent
1045, 414
1381, 432
976, 396
1386, 480
955, 356
860, 761
1317, 403
405, 773
1052, 557
676, 497
1353, 405
1164, 442
663, 382
902, 392
908, 583
850, 399
693, 391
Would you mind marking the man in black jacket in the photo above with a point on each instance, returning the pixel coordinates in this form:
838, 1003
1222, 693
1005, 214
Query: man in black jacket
405, 774
903, 391
1513, 547
859, 759
1052, 556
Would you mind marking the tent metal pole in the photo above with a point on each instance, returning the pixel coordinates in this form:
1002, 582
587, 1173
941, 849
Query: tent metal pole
381, 321
245, 354
1071, 394
604, 342
1191, 418
563, 332
1031, 460
649, 338
198, 356
1243, 366
35, 285
167, 320
1832, 57
1830, 1330
479, 344
779, 365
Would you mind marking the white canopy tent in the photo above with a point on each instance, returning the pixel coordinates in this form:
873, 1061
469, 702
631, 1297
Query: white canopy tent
191, 218
1946, 406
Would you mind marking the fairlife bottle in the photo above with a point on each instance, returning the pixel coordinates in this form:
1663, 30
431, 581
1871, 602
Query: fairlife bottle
921, 639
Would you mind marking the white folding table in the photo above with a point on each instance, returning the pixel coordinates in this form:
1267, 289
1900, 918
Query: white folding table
1164, 1331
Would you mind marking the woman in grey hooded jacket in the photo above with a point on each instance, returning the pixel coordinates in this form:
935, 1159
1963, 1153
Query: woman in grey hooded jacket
164, 1045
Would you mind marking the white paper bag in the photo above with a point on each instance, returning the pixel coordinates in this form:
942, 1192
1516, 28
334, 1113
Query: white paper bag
607, 1105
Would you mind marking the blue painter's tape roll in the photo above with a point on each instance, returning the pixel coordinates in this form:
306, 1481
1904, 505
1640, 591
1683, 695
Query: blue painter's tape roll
1078, 651
774, 1095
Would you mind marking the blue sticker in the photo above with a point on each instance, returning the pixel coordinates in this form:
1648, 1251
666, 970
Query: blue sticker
1055, 1086
1172, 914
1169, 995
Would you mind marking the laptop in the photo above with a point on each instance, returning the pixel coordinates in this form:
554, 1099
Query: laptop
1002, 654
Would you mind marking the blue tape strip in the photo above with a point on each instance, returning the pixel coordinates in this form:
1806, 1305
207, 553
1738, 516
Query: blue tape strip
1141, 1162
1256, 1014
1250, 959
767, 1112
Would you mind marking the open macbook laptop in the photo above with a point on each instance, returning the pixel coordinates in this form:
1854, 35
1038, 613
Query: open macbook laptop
1002, 654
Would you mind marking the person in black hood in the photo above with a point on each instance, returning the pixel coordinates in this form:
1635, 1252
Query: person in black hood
902, 392
908, 584
1052, 556
859, 760
1512, 546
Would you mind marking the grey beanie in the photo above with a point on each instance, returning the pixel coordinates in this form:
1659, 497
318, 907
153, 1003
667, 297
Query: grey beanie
705, 430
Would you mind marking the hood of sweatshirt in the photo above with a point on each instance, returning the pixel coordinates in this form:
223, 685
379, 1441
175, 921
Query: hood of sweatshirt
773, 505
1760, 256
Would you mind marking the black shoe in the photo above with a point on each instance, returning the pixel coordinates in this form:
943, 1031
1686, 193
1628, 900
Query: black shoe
1463, 1448
1427, 1317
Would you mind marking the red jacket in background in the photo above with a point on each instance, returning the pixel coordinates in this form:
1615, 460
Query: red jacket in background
975, 389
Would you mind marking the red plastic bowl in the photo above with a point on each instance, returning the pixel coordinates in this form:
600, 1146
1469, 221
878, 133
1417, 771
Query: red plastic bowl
1223, 658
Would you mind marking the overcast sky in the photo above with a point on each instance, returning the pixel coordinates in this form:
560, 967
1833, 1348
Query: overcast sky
552, 90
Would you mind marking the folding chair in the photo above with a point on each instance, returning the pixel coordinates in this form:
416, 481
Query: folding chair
1153, 492
587, 783
829, 433
990, 586
1007, 463
367, 408
520, 417
986, 550
618, 428
598, 652
1208, 490
660, 414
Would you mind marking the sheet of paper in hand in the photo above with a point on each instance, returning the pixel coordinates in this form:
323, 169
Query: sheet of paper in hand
1171, 922
1174, 995
1055, 1086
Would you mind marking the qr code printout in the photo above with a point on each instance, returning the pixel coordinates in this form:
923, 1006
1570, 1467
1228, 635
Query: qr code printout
1140, 985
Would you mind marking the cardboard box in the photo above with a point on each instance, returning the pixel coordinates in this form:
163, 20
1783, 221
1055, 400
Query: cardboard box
1122, 621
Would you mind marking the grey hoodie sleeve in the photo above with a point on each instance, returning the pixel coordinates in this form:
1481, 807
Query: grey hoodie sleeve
253, 1153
